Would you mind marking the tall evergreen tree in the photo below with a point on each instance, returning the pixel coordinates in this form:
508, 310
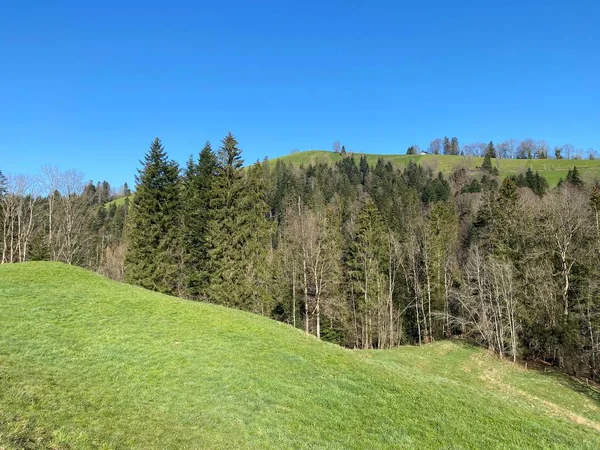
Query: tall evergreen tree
447, 146
224, 241
365, 260
153, 259
454, 147
197, 184
491, 150
254, 232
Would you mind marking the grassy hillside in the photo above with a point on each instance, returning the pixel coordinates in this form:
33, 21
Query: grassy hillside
551, 169
119, 201
90, 363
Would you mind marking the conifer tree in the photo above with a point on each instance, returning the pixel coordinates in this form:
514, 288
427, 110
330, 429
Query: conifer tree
491, 150
254, 232
152, 259
224, 239
197, 184
487, 163
365, 262
447, 146
573, 177
454, 148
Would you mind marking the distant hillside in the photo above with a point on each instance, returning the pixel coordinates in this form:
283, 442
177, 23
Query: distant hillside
119, 201
551, 169
90, 363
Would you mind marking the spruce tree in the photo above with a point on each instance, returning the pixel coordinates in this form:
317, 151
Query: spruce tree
491, 150
365, 260
487, 163
254, 233
447, 146
196, 191
573, 177
224, 241
239, 233
153, 259
364, 169
454, 148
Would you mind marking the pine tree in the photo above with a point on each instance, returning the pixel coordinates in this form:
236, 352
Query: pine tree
491, 150
224, 243
365, 261
255, 231
152, 259
487, 163
573, 177
454, 148
364, 169
447, 146
343, 152
197, 184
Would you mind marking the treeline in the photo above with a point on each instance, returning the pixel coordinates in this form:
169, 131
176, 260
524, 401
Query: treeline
507, 149
364, 256
56, 216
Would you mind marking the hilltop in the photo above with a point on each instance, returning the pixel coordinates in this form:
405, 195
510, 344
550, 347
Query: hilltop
86, 362
551, 169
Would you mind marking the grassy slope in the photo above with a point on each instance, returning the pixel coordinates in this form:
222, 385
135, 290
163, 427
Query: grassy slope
552, 169
89, 363
119, 201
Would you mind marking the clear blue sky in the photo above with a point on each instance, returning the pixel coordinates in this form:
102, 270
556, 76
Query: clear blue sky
88, 85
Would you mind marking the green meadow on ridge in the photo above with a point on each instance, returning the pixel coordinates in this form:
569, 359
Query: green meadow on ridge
551, 169
86, 362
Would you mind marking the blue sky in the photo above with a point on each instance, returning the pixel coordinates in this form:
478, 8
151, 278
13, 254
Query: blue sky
88, 85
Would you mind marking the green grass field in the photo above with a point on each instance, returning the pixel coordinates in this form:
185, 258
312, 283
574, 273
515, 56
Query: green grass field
551, 169
119, 201
86, 362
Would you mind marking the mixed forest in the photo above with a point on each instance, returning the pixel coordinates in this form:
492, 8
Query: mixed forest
366, 256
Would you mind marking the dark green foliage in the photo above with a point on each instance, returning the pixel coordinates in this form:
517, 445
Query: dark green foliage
364, 169
534, 181
412, 150
447, 146
365, 260
454, 147
223, 232
487, 165
472, 187
238, 232
557, 153
491, 150
196, 192
436, 190
573, 178
153, 254
39, 249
